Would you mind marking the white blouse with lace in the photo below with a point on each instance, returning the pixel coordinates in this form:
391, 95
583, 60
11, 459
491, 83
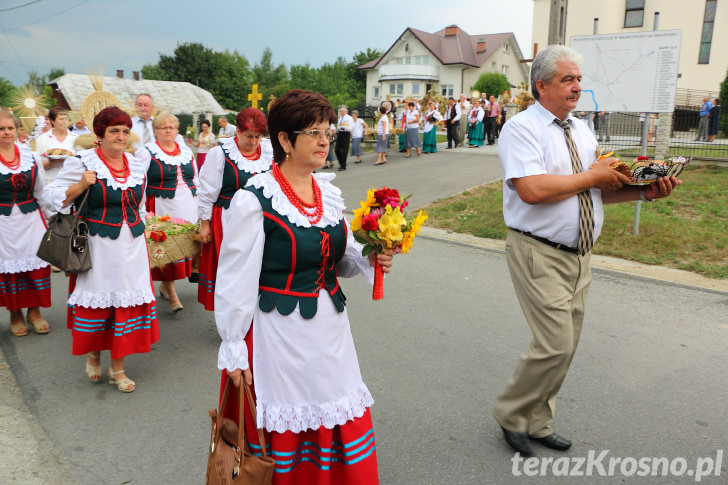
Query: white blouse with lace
119, 276
20, 233
212, 171
306, 372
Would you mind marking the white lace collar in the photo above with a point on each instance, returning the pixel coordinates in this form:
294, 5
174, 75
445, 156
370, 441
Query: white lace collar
91, 161
260, 165
330, 194
184, 157
27, 160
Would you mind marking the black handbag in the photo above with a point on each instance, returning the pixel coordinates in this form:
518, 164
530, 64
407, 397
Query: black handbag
65, 243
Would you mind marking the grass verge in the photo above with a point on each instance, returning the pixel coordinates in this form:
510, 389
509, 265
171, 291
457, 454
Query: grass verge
688, 230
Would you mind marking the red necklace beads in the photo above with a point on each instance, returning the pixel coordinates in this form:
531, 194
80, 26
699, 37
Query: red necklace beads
254, 156
303, 207
15, 162
173, 153
119, 175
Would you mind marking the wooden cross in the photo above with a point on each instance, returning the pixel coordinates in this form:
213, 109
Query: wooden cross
255, 96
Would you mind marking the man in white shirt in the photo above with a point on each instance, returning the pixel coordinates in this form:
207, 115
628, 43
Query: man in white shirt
79, 128
464, 106
141, 124
226, 129
343, 136
553, 205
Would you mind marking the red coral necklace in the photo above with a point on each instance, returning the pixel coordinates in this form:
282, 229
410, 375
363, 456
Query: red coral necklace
302, 206
119, 175
254, 156
15, 162
172, 153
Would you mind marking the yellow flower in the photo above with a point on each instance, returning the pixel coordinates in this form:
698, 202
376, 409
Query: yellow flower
365, 208
414, 230
390, 226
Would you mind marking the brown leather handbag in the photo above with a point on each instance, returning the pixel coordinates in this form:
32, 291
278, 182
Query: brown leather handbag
65, 243
230, 460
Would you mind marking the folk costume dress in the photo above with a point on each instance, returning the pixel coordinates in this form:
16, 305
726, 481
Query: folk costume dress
25, 279
225, 171
279, 271
111, 306
429, 138
171, 190
475, 127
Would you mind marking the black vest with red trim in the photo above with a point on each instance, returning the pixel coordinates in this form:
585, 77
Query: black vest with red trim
162, 177
298, 263
17, 189
233, 179
108, 208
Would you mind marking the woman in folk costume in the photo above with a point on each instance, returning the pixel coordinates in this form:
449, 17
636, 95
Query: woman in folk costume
111, 306
432, 120
25, 280
475, 125
286, 241
227, 167
172, 191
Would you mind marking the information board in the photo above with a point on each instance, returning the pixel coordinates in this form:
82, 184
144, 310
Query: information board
629, 71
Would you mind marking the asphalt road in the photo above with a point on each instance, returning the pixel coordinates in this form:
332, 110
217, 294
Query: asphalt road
648, 379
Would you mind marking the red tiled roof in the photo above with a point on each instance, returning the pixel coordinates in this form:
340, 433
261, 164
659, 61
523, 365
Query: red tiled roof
452, 49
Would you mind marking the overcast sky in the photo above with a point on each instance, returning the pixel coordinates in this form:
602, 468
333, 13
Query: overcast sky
86, 35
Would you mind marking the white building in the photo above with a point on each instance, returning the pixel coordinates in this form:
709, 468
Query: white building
450, 60
704, 25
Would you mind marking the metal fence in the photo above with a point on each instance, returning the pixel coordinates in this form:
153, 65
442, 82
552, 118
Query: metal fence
622, 132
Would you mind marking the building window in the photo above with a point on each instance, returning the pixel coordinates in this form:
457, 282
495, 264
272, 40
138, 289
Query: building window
706, 38
634, 14
493, 68
396, 88
415, 88
376, 91
403, 60
504, 70
422, 59
505, 47
447, 90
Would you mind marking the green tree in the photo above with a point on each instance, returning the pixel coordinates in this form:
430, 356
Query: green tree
492, 83
358, 76
6, 92
225, 75
723, 120
271, 80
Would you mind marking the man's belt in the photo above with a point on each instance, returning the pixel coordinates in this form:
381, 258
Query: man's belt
562, 247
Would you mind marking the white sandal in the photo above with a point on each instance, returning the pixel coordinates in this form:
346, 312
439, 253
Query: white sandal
122, 385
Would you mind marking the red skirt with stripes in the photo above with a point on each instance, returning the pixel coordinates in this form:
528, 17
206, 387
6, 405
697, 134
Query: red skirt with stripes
26, 290
123, 331
208, 261
345, 454
173, 271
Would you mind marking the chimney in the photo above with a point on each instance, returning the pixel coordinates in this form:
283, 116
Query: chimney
136, 75
451, 30
120, 73
480, 46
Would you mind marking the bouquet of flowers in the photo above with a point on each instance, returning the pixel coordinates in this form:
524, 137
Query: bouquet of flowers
170, 239
380, 224
191, 133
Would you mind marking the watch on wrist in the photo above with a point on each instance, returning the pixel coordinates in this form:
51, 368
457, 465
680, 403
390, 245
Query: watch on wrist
643, 197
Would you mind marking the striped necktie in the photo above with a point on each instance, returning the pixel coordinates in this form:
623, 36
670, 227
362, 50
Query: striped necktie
147, 134
586, 206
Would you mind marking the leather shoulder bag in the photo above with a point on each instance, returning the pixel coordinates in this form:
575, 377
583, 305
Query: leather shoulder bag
65, 243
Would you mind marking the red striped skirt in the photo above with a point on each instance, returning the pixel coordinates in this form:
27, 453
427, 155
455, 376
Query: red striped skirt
208, 262
123, 331
173, 271
345, 454
26, 290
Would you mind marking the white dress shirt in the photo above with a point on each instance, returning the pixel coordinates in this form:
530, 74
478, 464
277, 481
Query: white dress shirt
531, 144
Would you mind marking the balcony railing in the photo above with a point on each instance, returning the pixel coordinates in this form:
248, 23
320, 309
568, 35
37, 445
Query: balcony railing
408, 71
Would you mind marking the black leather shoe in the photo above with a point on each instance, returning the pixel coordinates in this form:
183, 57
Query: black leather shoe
518, 441
554, 441
342, 168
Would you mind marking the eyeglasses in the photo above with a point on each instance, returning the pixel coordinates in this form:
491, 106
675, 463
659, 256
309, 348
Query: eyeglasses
328, 134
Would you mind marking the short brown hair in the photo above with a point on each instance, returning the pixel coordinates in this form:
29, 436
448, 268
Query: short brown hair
251, 119
296, 110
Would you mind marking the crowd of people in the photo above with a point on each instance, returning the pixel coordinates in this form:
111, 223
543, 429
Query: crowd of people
274, 243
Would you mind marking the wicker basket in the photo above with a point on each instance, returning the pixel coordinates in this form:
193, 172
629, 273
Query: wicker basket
173, 249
